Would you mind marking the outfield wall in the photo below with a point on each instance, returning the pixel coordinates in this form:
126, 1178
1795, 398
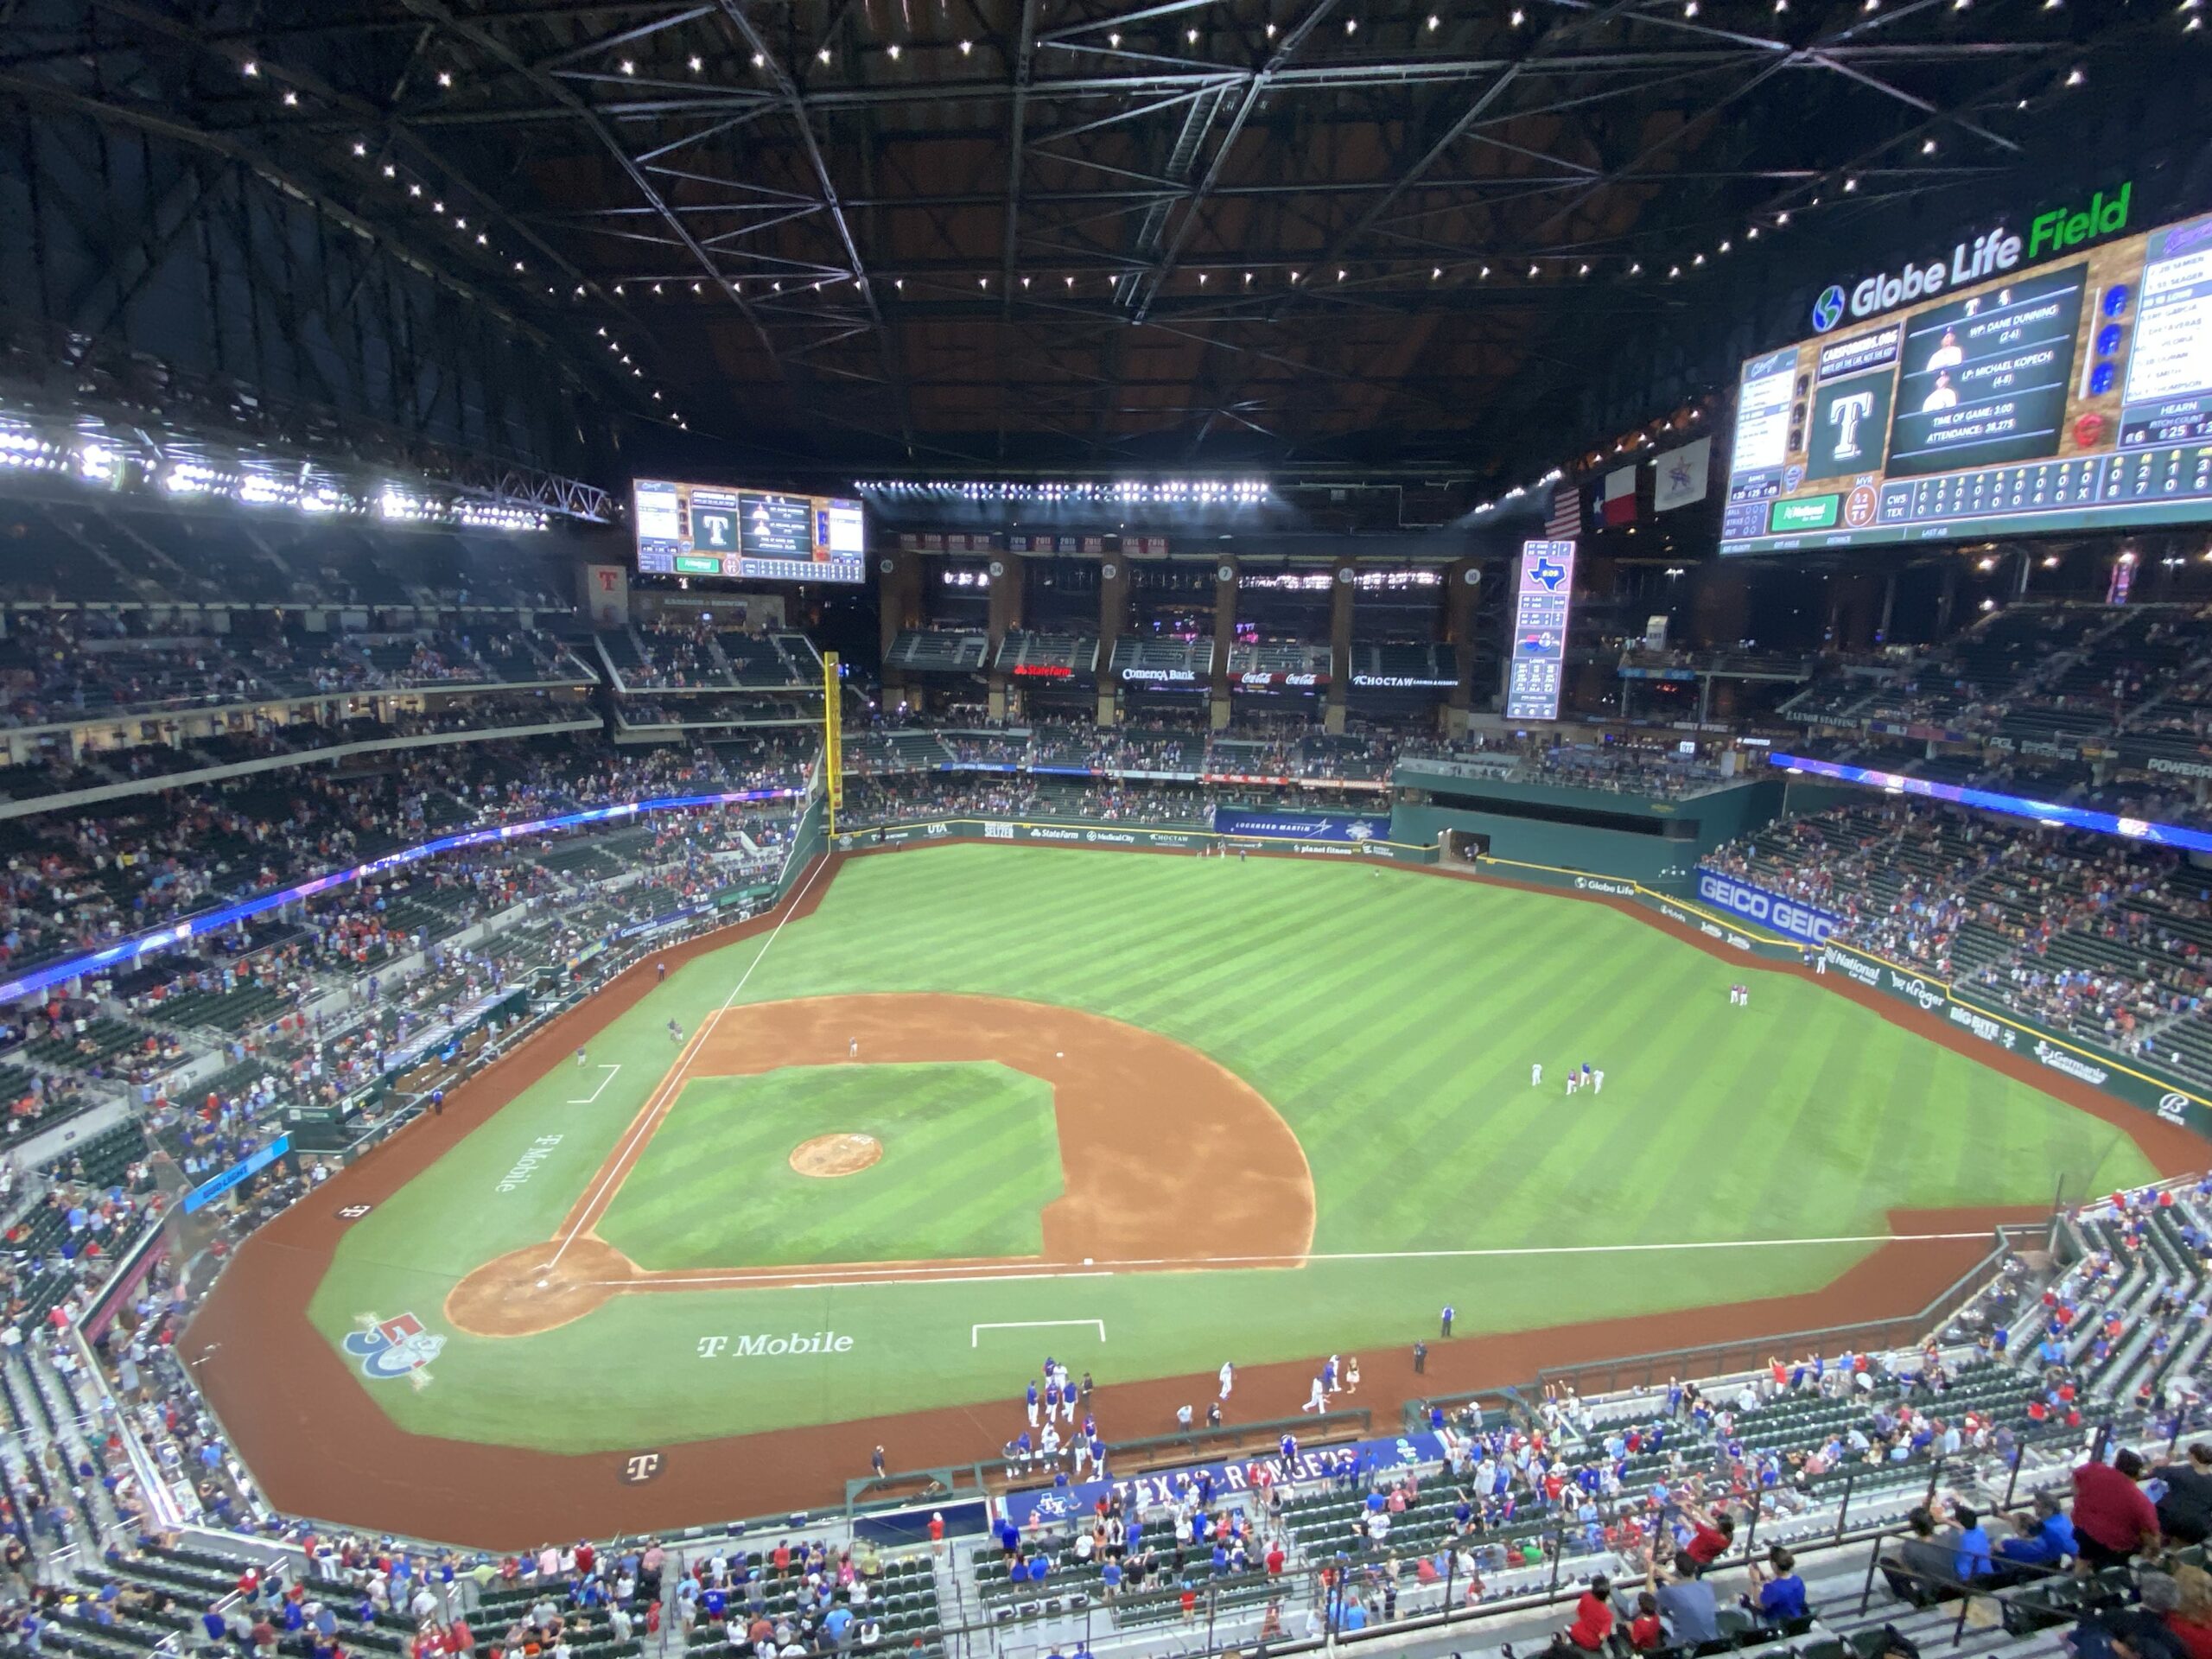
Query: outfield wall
1062, 832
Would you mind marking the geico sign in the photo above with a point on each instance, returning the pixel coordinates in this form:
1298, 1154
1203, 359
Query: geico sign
1756, 904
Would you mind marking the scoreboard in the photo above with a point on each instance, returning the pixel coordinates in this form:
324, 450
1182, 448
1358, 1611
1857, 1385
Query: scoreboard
705, 530
1543, 595
2025, 383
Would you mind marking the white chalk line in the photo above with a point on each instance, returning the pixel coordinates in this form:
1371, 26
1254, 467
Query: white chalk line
586, 1099
862, 1277
976, 1331
678, 1075
802, 1279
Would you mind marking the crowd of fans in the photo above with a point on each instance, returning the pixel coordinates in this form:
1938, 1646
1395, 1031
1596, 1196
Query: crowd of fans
72, 665
2105, 937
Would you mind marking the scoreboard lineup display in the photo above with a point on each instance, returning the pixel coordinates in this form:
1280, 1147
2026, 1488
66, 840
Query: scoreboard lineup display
1544, 598
2072, 389
704, 529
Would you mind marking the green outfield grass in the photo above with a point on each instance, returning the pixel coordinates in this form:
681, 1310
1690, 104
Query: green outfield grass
1391, 1018
715, 1187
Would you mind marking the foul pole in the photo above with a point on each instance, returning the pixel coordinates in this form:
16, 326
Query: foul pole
833, 733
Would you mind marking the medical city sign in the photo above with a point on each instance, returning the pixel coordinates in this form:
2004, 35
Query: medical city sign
1991, 254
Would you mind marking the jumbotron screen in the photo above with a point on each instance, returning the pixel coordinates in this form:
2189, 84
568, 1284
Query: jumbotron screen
706, 530
2056, 378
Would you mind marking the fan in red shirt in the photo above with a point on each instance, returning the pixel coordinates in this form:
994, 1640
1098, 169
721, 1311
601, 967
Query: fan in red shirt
1711, 1540
1593, 1616
2112, 1517
1645, 1632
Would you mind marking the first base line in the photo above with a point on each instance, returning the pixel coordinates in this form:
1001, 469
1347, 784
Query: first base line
976, 1331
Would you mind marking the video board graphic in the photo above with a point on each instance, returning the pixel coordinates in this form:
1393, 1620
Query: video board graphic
1543, 597
705, 530
2070, 395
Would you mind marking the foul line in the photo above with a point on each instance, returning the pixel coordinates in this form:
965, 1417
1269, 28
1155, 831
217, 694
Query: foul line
647, 1119
863, 1276
586, 1099
976, 1331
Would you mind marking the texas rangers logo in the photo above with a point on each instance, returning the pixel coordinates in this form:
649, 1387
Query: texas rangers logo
391, 1348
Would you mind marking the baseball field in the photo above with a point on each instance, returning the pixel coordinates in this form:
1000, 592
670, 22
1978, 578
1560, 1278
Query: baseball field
973, 1105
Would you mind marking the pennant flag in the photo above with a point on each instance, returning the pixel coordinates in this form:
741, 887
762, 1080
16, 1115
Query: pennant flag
1619, 503
1682, 474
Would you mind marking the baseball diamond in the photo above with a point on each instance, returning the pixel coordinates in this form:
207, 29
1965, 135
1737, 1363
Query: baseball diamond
1217, 1189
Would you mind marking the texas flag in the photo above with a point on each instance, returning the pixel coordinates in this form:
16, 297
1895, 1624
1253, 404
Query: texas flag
1616, 505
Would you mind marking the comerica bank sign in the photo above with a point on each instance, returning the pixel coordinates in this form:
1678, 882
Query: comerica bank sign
1991, 254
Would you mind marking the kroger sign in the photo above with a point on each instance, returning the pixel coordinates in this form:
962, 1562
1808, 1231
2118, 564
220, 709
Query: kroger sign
1803, 922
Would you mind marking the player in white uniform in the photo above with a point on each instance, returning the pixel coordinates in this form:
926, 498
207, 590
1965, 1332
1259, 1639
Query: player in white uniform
1536, 1075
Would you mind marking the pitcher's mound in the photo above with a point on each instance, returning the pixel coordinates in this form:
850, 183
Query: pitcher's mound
836, 1154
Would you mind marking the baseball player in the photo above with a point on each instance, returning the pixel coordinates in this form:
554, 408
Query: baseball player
853, 1049
1536, 1075
1228, 1378
1032, 1402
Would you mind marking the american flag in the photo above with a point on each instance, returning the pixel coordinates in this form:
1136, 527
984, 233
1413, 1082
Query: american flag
1566, 522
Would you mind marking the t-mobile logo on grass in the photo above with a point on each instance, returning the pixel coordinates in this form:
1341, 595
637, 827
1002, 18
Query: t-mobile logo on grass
763, 1345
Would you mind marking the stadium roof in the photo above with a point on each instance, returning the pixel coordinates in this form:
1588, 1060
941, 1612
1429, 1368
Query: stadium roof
1300, 235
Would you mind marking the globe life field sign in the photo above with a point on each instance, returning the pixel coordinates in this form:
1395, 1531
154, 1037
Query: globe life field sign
2048, 379
1991, 254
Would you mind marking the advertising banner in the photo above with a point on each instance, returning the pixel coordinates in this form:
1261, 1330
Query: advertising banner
208, 1191
1114, 835
1052, 1504
1807, 924
2130, 1080
1299, 826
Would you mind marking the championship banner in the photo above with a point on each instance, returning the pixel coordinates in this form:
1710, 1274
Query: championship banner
606, 594
1299, 826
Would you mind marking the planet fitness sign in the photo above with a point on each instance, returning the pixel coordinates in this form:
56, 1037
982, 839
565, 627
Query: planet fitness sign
1806, 923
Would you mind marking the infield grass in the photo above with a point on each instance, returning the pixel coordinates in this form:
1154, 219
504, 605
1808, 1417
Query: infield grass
971, 1158
1391, 1018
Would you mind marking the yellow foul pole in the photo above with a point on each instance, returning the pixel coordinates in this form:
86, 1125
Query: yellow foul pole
833, 735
